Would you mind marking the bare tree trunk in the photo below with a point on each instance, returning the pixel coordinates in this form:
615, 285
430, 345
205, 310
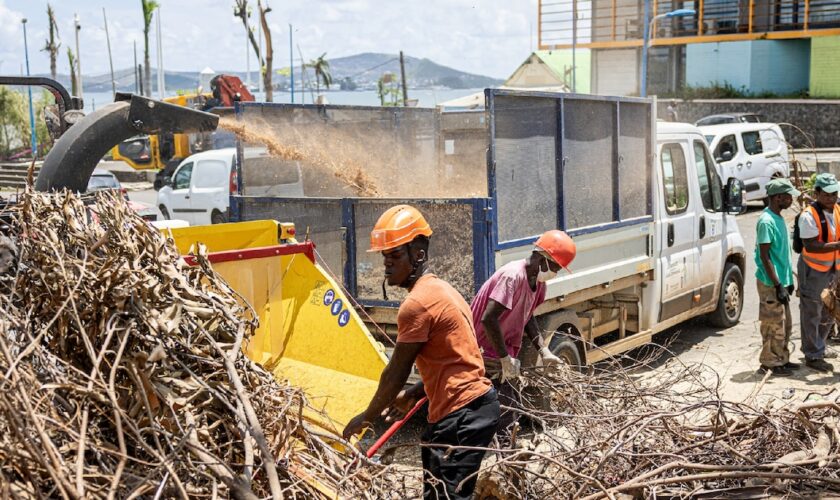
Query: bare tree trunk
147, 73
241, 11
74, 83
269, 53
51, 46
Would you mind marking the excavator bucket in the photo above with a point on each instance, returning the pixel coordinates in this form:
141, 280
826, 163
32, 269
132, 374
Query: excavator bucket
309, 332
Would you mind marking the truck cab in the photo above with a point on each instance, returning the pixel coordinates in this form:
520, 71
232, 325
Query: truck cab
701, 252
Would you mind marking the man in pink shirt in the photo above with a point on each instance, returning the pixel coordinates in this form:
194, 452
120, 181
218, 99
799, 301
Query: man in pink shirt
503, 312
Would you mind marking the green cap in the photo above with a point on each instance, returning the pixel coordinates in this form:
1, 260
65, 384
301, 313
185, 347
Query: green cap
827, 182
782, 186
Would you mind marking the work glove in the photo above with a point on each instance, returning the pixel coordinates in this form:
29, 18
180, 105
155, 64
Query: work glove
510, 368
782, 294
548, 358
790, 289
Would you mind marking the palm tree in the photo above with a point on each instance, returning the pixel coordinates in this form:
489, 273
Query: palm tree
74, 84
149, 7
52, 44
322, 72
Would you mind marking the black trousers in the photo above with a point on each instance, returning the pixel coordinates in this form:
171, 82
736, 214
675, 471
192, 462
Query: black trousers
443, 468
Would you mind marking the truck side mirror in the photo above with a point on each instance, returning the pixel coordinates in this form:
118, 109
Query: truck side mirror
724, 156
733, 197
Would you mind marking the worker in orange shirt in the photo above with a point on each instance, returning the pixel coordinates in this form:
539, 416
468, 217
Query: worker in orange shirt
435, 331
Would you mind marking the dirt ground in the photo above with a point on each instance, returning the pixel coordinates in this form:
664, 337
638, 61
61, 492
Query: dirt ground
733, 352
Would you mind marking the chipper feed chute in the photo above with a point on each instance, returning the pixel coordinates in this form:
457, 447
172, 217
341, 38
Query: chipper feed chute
309, 332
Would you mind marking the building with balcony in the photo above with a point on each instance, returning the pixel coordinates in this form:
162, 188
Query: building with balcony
759, 46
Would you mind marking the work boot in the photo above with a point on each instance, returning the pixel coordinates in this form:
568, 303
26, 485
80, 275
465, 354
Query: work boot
792, 366
820, 365
782, 371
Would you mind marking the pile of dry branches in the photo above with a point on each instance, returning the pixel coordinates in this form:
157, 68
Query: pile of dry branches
122, 372
620, 430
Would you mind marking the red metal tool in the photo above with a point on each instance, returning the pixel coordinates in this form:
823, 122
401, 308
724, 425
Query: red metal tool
394, 428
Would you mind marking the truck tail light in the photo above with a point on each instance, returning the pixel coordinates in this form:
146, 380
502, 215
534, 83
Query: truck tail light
232, 181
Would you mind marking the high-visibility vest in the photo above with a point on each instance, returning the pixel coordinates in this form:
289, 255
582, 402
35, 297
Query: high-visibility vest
823, 262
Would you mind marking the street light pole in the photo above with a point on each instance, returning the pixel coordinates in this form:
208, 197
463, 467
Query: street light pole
78, 56
32, 136
649, 26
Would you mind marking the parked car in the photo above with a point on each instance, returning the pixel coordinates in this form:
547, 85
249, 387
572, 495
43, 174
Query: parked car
200, 187
751, 152
729, 118
104, 180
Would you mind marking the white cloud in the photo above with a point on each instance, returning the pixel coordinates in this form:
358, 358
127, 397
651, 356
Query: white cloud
480, 36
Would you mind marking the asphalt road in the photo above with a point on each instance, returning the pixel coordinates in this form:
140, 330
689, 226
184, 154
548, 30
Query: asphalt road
733, 352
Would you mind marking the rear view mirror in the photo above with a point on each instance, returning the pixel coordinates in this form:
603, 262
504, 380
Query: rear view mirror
733, 197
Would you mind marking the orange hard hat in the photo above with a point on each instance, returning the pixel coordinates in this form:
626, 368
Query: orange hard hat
399, 225
559, 246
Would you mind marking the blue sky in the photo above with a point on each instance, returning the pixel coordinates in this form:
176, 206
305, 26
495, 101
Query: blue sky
490, 37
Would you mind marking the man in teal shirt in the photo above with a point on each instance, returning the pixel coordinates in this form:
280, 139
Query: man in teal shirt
774, 278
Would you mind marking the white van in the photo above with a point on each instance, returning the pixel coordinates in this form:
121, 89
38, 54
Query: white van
200, 187
751, 152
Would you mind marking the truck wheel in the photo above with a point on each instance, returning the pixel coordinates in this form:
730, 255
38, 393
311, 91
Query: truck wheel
566, 349
217, 217
731, 299
164, 212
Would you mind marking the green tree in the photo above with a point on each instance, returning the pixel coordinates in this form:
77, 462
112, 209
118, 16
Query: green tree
149, 7
74, 84
13, 120
388, 90
322, 72
52, 44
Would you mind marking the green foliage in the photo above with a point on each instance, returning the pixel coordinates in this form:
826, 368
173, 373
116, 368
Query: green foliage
728, 91
14, 121
149, 7
322, 71
388, 90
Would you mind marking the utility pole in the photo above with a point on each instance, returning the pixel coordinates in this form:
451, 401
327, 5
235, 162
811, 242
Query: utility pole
110, 59
291, 64
32, 136
78, 56
402, 74
161, 78
247, 60
136, 78
140, 71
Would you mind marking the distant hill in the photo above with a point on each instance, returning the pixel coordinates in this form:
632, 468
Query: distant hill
363, 70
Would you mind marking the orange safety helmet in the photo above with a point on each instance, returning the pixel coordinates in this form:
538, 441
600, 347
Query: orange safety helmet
559, 246
399, 225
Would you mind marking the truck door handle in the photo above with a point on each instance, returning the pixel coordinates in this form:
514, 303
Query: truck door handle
749, 164
187, 197
702, 226
740, 166
670, 234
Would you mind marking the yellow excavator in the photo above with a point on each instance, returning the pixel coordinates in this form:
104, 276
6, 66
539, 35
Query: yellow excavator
164, 151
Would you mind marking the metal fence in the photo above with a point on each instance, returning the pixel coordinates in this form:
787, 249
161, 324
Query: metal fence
341, 230
578, 163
